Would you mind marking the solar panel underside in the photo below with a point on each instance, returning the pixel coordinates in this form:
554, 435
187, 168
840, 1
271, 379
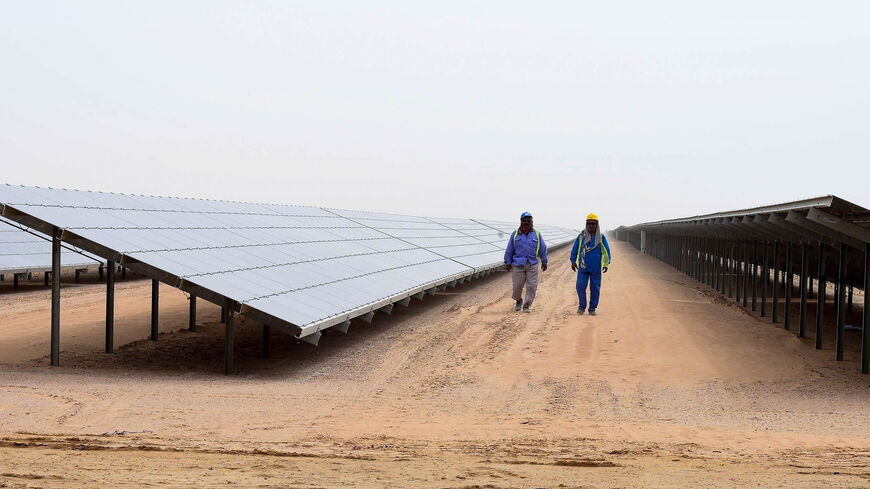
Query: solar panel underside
25, 252
310, 267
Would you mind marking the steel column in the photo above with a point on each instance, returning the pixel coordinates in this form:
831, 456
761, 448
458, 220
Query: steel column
821, 298
155, 309
841, 303
789, 284
802, 328
229, 337
110, 307
55, 296
191, 322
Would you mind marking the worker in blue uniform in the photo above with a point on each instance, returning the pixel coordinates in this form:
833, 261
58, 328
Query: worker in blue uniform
590, 258
525, 249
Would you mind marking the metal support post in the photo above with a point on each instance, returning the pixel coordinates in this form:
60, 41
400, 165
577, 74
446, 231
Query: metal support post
155, 309
229, 338
110, 307
191, 321
55, 296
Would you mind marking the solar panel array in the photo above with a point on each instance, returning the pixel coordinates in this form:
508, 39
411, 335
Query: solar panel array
30, 251
310, 267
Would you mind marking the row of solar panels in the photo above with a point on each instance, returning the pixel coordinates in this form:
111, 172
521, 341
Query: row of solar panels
824, 221
26, 252
304, 268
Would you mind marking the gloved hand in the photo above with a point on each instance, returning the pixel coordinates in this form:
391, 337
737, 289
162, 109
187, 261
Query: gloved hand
574, 267
604, 270
507, 266
543, 267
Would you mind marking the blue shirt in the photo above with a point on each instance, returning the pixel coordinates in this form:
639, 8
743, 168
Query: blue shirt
523, 248
593, 256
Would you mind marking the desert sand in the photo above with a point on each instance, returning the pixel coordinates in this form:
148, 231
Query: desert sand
669, 386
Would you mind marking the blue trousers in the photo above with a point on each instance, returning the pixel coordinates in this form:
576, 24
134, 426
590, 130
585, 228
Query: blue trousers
584, 277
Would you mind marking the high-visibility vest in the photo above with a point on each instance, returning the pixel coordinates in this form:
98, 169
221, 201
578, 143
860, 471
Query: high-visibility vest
605, 256
537, 251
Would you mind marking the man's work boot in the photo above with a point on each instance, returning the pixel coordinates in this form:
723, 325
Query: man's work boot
591, 312
518, 306
581, 310
527, 308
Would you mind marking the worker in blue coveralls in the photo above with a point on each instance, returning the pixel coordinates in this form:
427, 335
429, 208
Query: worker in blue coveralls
590, 258
525, 249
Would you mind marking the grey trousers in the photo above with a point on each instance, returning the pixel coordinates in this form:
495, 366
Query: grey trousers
525, 275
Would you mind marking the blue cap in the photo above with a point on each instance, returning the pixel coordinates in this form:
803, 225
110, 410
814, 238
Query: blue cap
526, 214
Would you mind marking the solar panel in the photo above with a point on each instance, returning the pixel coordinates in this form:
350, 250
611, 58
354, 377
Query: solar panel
307, 267
23, 251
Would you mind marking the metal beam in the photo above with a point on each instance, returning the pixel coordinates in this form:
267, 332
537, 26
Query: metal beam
829, 236
343, 327
841, 226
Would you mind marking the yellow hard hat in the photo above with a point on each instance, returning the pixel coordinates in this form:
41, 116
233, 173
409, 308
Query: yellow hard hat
592, 217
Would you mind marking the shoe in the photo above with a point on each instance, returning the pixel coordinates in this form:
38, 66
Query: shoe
581, 310
591, 312
527, 308
518, 306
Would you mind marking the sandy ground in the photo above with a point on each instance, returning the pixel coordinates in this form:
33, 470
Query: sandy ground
668, 386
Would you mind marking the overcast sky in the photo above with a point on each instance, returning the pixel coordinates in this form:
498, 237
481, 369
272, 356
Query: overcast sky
634, 110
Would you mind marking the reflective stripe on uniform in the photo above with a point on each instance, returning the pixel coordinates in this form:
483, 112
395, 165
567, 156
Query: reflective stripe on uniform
537, 251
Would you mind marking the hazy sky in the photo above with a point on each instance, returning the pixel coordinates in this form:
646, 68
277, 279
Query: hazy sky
635, 110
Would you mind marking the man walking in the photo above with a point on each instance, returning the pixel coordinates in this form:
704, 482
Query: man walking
524, 250
590, 258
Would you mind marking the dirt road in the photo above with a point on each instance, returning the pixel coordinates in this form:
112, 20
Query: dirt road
664, 388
